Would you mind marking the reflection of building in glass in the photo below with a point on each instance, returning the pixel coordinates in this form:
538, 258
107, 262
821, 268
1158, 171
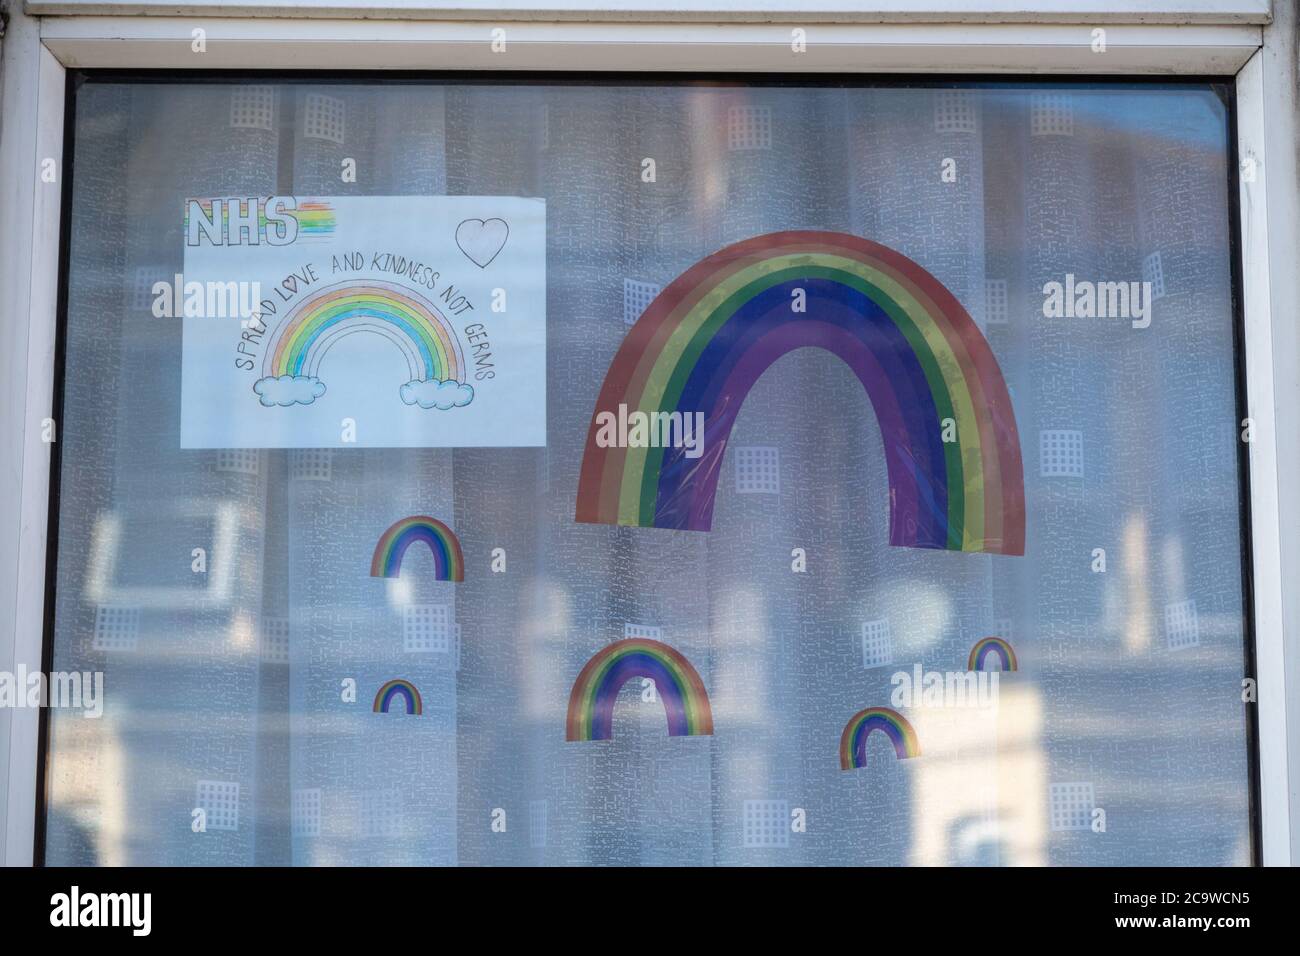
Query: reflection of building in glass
980, 784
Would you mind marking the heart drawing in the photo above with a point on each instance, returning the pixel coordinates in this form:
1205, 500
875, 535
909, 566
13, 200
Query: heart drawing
482, 239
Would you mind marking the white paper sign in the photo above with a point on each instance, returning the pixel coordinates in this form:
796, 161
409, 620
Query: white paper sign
385, 321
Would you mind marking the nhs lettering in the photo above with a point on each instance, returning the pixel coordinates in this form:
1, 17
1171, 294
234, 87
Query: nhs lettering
237, 222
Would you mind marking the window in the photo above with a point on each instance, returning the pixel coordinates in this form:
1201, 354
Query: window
252, 107
749, 127
954, 112
1051, 114
306, 812
219, 801
767, 823
643, 630
322, 117
758, 471
142, 295
275, 640
1060, 453
537, 824
381, 813
1181, 625
116, 628
637, 296
244, 461
1072, 806
996, 310
1153, 272
310, 464
877, 648
757, 500
426, 628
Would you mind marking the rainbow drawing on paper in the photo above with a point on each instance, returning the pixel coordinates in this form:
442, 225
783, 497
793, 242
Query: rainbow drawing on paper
706, 339
399, 688
591, 703
315, 219
448, 561
995, 646
295, 350
853, 742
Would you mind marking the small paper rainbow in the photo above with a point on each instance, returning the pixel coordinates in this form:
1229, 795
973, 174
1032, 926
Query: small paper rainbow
449, 562
591, 703
992, 645
853, 742
403, 689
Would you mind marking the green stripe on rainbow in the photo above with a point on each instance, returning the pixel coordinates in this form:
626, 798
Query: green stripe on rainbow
708, 337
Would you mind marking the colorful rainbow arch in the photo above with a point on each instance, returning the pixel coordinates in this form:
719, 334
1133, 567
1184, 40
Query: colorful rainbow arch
401, 315
995, 646
853, 742
705, 340
403, 689
449, 562
591, 703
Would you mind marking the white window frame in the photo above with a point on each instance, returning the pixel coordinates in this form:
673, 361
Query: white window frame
1222, 38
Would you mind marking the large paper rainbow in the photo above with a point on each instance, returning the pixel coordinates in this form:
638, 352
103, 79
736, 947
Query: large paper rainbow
399, 688
853, 742
401, 315
996, 646
705, 340
448, 561
591, 703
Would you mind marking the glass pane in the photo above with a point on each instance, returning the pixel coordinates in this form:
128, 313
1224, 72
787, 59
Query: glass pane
956, 459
